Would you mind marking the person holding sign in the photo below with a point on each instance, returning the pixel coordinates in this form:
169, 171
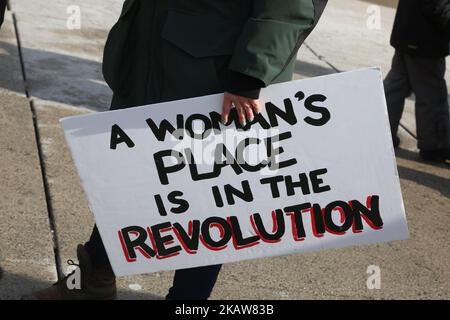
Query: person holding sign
162, 50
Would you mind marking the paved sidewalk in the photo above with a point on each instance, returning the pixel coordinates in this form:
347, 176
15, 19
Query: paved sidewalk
27, 259
63, 70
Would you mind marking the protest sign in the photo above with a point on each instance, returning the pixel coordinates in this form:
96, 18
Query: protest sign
171, 187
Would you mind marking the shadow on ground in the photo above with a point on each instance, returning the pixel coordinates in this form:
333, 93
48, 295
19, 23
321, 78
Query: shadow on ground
438, 183
306, 69
59, 78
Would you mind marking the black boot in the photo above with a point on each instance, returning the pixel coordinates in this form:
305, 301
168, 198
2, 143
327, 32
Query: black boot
96, 283
438, 155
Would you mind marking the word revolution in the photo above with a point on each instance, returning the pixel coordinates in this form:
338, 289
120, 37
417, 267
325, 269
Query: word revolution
166, 240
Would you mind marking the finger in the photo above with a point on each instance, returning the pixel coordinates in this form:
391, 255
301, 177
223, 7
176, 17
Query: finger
248, 111
256, 105
241, 112
226, 108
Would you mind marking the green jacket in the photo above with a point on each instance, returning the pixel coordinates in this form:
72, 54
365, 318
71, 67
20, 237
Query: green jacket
159, 41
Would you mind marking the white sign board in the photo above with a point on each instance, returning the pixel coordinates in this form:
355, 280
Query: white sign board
171, 187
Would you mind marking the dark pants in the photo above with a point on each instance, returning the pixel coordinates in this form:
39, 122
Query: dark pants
188, 284
425, 78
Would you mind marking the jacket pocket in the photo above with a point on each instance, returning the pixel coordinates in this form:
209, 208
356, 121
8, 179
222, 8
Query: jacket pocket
201, 35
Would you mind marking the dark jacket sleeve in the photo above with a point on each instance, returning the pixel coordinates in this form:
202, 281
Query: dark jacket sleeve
272, 36
438, 11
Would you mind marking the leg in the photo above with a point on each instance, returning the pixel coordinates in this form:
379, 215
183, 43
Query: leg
397, 88
96, 250
194, 283
432, 110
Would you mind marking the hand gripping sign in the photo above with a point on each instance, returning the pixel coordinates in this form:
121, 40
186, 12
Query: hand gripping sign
171, 187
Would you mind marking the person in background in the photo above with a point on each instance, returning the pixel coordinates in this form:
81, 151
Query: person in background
162, 50
420, 37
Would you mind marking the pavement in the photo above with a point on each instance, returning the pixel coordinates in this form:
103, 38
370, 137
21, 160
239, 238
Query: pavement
49, 71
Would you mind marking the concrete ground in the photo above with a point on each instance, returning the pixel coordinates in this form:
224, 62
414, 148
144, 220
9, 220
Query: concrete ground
45, 214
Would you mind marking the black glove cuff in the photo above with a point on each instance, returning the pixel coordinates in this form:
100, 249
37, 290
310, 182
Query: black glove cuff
243, 85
